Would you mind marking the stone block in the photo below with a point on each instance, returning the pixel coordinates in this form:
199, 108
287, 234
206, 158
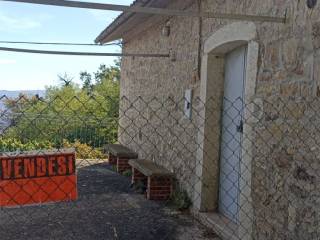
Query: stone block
316, 35
290, 52
290, 89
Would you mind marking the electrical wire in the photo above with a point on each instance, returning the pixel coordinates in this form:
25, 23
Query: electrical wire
60, 43
101, 54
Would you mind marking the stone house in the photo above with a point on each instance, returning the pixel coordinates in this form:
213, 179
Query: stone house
264, 64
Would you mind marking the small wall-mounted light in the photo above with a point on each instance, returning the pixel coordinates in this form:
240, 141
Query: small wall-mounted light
173, 55
166, 30
311, 3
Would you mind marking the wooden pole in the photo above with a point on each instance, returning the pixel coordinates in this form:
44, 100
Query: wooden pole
150, 10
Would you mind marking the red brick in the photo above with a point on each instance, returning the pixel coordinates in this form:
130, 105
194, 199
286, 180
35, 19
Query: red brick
137, 176
123, 165
159, 188
112, 159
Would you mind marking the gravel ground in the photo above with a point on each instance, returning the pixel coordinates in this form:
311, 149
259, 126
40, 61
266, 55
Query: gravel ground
106, 209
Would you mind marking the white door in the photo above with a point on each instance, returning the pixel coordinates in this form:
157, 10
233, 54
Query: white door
232, 133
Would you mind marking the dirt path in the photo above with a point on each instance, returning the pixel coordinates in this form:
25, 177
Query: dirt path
107, 209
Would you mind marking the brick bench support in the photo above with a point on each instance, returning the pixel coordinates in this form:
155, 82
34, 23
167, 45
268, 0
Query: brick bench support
138, 176
120, 155
123, 164
112, 159
159, 180
159, 188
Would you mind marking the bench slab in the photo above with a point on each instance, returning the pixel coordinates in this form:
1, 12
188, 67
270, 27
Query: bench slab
149, 168
120, 151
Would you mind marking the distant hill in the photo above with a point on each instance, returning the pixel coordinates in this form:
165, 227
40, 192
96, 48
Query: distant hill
4, 121
15, 94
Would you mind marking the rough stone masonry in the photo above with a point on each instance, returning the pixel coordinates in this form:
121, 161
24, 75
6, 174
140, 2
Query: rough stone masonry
285, 160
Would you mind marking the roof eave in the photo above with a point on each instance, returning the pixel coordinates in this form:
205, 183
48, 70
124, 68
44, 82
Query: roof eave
106, 35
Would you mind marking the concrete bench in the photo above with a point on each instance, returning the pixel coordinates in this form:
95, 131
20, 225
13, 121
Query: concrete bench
159, 180
119, 155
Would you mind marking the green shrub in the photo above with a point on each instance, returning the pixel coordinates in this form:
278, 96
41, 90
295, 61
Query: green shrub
13, 144
140, 187
127, 173
181, 200
84, 151
89, 113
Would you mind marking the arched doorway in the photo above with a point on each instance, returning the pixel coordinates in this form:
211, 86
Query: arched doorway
228, 76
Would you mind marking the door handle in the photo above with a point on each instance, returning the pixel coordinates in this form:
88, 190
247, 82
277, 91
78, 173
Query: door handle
240, 127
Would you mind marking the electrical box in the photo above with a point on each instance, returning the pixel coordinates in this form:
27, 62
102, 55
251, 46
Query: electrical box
188, 103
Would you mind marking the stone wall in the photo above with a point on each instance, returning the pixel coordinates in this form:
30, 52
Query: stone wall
162, 82
284, 170
288, 52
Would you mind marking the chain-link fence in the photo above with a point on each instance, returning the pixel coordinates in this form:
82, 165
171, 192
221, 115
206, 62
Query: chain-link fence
245, 170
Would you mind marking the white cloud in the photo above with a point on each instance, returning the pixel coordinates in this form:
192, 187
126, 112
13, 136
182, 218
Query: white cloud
7, 61
14, 23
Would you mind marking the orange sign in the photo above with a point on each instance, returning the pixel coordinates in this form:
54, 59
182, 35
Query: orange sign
31, 178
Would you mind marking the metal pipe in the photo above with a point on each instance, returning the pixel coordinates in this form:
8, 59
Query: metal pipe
21, 50
150, 10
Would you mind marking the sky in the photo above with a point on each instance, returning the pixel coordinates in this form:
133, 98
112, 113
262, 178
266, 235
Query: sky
28, 22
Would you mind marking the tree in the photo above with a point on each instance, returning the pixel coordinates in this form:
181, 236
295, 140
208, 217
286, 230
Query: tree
68, 112
65, 79
110, 73
86, 80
